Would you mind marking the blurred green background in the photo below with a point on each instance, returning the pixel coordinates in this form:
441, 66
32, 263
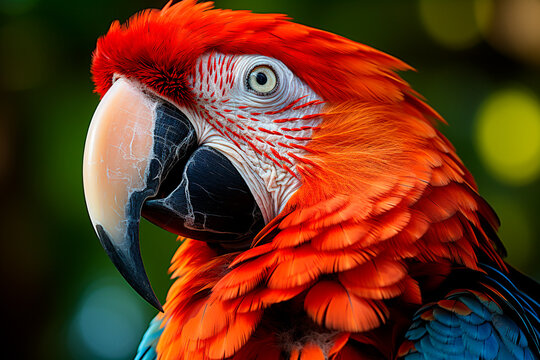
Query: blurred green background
478, 64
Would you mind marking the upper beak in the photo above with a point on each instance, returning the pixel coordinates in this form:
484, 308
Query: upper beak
132, 142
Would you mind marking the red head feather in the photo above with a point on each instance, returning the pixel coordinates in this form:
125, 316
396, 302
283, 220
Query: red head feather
160, 48
383, 191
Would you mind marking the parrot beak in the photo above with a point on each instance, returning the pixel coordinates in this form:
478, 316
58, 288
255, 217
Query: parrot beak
132, 142
142, 158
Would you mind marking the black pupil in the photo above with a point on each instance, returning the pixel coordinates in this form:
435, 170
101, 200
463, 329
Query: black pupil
261, 78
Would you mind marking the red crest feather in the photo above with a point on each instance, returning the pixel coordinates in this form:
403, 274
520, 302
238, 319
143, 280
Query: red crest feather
174, 38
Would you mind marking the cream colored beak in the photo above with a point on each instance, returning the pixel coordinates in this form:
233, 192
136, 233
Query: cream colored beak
116, 156
116, 167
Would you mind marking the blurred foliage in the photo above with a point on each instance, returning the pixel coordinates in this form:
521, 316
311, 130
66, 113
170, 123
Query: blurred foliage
65, 300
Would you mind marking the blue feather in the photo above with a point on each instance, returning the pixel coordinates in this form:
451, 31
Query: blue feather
478, 308
147, 347
476, 332
500, 325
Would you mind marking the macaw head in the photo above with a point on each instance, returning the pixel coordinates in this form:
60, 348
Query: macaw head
223, 126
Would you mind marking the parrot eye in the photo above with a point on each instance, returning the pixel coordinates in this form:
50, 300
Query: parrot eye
262, 79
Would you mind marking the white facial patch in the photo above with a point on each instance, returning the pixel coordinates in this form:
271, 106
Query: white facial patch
263, 133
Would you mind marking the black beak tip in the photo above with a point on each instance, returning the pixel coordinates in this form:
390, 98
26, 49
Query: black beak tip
129, 264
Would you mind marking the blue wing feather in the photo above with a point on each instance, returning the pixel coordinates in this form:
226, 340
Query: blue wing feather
494, 319
147, 347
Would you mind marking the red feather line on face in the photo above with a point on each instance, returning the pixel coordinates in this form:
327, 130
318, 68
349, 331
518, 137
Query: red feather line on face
383, 191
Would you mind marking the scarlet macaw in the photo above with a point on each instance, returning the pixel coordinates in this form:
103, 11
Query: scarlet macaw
327, 217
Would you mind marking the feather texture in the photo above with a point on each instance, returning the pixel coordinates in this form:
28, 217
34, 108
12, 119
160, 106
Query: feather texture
386, 213
466, 325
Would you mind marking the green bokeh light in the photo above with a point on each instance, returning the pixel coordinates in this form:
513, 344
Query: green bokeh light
454, 23
508, 136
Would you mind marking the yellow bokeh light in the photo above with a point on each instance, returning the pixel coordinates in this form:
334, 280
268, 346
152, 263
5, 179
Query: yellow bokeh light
484, 12
455, 24
508, 136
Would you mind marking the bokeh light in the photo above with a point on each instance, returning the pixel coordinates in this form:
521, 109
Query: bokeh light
455, 24
108, 323
508, 135
516, 29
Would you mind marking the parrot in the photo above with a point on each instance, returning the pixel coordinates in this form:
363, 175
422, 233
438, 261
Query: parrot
320, 212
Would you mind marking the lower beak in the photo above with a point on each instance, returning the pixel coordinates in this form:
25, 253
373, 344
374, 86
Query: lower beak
132, 143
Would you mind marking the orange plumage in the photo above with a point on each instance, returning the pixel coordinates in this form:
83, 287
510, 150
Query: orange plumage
385, 210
